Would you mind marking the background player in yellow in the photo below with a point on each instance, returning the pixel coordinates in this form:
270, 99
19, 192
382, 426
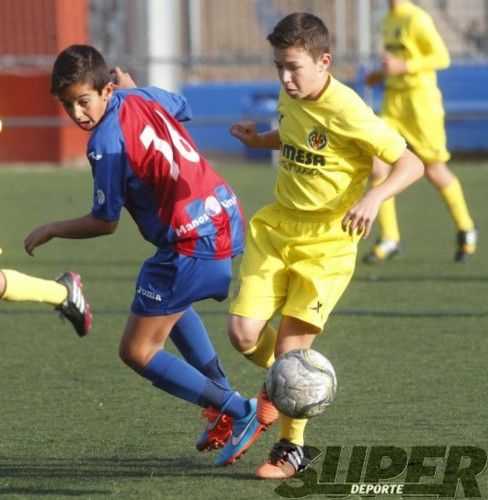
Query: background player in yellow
301, 249
64, 294
412, 105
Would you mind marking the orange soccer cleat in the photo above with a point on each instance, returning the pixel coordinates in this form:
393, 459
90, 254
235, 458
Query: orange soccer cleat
266, 413
216, 432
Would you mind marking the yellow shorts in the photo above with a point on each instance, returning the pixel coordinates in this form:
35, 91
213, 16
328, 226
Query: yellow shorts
418, 115
300, 265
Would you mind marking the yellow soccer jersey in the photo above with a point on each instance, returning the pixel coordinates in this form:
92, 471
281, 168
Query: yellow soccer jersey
327, 147
409, 33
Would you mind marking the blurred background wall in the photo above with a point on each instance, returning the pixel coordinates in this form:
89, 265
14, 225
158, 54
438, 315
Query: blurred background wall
214, 51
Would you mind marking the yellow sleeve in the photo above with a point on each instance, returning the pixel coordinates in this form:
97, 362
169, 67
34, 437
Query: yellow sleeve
433, 54
380, 140
370, 133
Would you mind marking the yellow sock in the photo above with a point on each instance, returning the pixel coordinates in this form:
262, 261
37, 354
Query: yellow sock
387, 219
262, 354
22, 288
454, 199
293, 429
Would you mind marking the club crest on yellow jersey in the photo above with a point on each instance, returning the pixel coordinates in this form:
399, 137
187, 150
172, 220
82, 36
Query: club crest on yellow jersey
317, 138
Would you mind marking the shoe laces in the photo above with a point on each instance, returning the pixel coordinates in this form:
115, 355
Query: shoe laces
279, 453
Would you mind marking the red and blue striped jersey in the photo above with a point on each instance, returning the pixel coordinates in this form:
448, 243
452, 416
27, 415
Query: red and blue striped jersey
143, 158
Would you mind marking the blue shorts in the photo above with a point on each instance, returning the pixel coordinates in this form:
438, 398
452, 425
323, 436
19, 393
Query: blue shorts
170, 282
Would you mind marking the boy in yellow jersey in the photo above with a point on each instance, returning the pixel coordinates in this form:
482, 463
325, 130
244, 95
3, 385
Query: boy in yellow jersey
65, 294
301, 249
412, 105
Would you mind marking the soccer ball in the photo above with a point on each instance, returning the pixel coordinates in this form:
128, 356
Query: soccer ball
301, 383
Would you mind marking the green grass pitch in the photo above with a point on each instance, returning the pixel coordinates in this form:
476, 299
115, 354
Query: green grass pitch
408, 341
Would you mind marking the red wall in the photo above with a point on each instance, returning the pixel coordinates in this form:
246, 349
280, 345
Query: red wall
35, 126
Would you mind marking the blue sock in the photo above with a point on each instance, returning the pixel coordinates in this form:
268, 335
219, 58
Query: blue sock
191, 338
236, 406
175, 376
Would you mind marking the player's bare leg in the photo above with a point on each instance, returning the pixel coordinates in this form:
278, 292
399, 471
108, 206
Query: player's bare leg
244, 332
143, 337
294, 334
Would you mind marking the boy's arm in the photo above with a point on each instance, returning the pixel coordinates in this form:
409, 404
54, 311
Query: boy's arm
175, 104
406, 170
246, 132
434, 52
122, 79
82, 227
374, 77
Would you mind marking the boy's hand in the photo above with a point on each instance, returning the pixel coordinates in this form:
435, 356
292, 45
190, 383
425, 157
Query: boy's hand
393, 66
361, 216
374, 78
122, 79
245, 131
37, 237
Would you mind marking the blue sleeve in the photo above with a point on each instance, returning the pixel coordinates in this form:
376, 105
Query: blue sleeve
109, 167
175, 104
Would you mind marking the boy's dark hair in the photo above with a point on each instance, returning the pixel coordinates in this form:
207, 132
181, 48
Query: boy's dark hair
301, 29
79, 64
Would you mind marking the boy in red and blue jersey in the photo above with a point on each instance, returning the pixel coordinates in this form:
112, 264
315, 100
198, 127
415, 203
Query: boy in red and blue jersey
143, 159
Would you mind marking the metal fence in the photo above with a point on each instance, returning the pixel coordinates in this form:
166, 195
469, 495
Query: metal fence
211, 40
226, 39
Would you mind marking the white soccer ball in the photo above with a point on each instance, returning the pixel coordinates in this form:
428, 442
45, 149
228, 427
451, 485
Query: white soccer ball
301, 383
